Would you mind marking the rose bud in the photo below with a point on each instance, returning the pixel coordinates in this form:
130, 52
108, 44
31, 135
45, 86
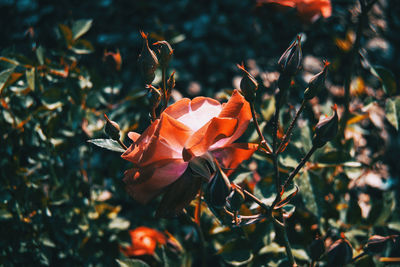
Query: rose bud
235, 199
376, 244
248, 84
316, 83
290, 61
326, 129
147, 61
165, 52
339, 253
112, 129
203, 166
317, 248
218, 189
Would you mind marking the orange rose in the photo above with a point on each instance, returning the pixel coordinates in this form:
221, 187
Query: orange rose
144, 241
308, 10
186, 129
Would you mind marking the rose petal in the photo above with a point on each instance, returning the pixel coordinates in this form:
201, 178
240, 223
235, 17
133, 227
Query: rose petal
135, 150
237, 107
145, 183
212, 132
133, 136
199, 112
231, 156
167, 141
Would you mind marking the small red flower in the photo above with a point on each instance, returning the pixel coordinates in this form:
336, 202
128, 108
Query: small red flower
144, 241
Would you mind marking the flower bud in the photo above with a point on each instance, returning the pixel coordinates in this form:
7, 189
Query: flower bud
317, 248
376, 244
290, 61
148, 61
316, 83
339, 253
165, 52
171, 83
235, 199
326, 129
203, 166
112, 129
248, 84
218, 189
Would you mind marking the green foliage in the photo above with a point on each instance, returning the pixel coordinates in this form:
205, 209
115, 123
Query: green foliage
62, 198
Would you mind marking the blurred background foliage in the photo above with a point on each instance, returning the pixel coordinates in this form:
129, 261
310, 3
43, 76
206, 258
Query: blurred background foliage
65, 63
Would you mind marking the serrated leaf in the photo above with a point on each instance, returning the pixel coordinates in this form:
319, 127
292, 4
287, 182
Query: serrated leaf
107, 144
131, 263
391, 113
80, 27
307, 193
387, 79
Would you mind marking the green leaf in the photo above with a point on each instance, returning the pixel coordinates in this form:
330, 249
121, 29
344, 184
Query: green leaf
82, 47
334, 157
40, 55
391, 113
4, 75
307, 193
131, 263
236, 253
386, 77
80, 27
30, 78
107, 144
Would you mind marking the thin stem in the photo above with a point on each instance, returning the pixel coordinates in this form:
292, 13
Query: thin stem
363, 19
281, 231
164, 88
200, 235
293, 174
257, 126
274, 150
254, 198
291, 126
122, 145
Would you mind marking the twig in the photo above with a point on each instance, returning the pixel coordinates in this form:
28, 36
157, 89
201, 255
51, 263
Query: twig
164, 81
291, 126
293, 174
257, 126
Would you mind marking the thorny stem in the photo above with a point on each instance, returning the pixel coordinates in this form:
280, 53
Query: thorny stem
164, 81
294, 173
363, 19
200, 235
122, 145
281, 229
257, 126
291, 126
274, 150
153, 114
